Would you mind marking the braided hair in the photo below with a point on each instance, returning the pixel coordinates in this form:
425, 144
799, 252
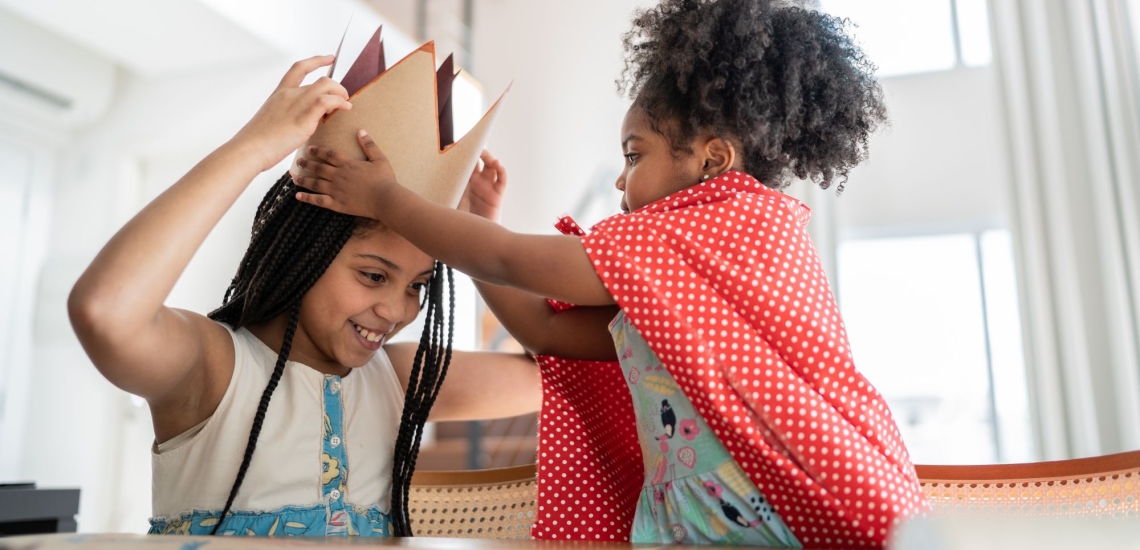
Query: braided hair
788, 82
292, 245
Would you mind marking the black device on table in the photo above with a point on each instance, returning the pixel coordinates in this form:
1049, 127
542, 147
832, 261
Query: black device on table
26, 510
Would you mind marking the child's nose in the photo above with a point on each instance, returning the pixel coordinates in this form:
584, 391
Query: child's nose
620, 184
391, 309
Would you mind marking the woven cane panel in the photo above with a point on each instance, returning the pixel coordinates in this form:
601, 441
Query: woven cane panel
1115, 495
494, 511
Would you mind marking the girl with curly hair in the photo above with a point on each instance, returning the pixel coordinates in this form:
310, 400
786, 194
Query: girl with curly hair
702, 390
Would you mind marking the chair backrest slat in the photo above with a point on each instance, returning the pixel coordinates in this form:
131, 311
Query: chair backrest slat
1104, 486
500, 503
487, 504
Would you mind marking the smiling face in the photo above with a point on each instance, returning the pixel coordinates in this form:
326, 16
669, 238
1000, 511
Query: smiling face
653, 170
370, 290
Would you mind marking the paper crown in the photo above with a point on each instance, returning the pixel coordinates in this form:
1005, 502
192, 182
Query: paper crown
407, 111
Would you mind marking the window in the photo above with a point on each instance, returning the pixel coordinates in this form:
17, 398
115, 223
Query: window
933, 323
917, 36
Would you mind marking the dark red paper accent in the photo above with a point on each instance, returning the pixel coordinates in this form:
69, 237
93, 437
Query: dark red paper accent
368, 65
444, 80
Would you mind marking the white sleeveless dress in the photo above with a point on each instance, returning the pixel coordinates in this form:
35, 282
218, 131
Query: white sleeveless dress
323, 464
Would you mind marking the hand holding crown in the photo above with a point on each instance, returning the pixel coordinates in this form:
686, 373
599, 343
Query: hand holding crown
344, 184
406, 111
292, 113
485, 189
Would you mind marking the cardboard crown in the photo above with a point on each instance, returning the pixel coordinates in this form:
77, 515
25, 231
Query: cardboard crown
407, 111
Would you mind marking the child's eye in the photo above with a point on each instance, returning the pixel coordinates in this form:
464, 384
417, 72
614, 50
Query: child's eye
631, 158
374, 277
418, 291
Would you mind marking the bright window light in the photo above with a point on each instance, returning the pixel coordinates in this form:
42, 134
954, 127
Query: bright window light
974, 32
917, 36
914, 310
1006, 348
466, 104
901, 36
913, 313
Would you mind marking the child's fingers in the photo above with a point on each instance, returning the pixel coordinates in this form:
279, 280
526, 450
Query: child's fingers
323, 201
500, 173
316, 168
297, 72
314, 185
371, 150
327, 155
328, 103
327, 86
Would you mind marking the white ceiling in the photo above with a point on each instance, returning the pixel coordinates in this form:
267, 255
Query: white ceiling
148, 38
162, 38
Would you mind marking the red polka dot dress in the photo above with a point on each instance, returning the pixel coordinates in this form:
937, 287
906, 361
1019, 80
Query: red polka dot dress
725, 286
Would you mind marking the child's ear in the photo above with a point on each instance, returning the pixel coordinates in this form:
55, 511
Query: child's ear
719, 156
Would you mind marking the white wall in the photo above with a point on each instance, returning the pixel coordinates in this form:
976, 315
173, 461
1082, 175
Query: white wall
560, 128
83, 431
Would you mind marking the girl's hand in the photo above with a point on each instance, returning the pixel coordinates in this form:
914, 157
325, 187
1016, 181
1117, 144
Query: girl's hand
484, 194
343, 184
291, 113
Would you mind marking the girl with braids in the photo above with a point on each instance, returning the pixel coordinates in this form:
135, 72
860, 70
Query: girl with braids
284, 412
719, 399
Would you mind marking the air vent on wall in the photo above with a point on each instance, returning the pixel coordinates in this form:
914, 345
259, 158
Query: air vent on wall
35, 92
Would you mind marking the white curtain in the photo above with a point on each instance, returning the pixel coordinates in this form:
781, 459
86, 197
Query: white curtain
1069, 84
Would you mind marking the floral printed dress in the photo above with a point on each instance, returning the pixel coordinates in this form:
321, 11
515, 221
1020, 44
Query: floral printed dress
694, 491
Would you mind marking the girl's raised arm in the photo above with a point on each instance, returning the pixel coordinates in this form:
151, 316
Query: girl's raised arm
579, 333
116, 307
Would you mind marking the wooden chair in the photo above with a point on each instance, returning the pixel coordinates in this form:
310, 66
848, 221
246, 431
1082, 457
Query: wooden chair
500, 503
485, 504
1103, 486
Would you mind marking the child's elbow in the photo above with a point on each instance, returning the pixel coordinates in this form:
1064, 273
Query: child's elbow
535, 345
81, 310
89, 314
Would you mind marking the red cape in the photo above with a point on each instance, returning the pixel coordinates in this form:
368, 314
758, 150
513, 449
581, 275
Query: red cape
724, 284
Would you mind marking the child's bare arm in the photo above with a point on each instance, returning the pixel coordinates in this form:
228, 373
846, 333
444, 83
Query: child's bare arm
116, 307
479, 385
547, 265
578, 333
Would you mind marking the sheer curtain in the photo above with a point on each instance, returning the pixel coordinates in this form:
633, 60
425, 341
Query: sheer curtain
1069, 84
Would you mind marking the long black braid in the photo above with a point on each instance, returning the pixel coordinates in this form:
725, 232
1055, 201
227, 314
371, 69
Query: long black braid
292, 245
421, 394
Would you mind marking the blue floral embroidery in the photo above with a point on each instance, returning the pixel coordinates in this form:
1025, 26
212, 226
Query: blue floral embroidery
334, 459
332, 517
290, 521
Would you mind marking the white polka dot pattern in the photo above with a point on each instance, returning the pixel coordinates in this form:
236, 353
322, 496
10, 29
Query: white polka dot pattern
724, 284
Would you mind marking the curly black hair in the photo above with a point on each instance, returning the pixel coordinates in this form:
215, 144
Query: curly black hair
786, 83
